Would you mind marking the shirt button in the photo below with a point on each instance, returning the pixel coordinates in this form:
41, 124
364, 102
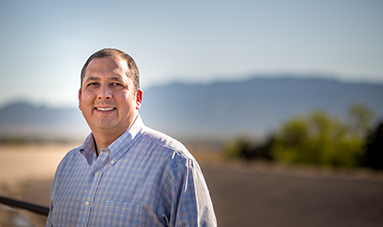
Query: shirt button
112, 161
87, 203
96, 174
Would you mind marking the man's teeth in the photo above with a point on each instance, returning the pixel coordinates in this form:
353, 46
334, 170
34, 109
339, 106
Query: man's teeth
104, 109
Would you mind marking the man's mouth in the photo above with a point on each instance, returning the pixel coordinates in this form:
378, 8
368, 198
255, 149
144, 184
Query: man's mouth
105, 109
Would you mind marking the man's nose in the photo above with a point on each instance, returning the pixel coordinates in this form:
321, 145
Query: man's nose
104, 92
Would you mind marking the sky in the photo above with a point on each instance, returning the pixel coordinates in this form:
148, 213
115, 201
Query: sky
45, 43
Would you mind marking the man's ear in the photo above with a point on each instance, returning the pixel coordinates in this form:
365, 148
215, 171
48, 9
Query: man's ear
79, 99
139, 95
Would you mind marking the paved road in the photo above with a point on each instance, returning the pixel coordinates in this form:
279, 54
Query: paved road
248, 197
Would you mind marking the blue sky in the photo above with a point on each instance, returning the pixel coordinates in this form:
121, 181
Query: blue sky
45, 43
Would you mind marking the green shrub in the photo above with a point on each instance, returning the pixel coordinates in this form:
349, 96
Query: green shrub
318, 139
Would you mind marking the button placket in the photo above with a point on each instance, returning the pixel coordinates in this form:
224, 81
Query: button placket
95, 178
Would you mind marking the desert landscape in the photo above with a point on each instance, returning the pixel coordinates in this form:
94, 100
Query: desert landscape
244, 194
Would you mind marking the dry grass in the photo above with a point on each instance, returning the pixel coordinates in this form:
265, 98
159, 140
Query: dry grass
21, 167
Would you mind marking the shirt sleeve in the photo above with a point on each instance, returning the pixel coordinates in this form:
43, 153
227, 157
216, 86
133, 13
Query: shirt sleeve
49, 221
51, 196
190, 203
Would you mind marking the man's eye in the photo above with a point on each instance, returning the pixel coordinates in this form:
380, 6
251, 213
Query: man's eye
92, 84
116, 84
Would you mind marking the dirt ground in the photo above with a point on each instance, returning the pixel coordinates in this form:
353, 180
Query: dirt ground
255, 194
25, 174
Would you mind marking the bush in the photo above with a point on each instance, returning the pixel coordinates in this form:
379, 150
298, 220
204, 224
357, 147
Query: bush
319, 139
244, 148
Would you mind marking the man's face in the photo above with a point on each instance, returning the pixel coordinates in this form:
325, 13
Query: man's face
107, 98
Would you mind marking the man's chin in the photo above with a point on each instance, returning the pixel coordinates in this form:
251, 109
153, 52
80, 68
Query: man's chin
103, 126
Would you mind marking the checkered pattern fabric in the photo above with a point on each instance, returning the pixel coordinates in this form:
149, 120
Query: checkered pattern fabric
144, 178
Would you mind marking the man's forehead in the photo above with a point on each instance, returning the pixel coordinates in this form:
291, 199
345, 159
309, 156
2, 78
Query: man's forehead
107, 65
109, 78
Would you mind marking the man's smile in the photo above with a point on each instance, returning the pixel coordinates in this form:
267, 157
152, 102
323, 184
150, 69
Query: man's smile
105, 109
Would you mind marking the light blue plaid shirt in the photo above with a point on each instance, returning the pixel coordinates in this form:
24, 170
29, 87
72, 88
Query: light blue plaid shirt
144, 178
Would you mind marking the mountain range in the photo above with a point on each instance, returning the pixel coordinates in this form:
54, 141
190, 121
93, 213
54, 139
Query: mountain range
253, 107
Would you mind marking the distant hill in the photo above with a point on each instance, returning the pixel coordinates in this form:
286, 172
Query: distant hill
223, 109
255, 106
23, 120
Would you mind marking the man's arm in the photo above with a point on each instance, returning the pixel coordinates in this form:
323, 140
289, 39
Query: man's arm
191, 203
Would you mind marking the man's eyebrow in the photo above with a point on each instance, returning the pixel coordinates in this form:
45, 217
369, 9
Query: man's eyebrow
92, 78
116, 79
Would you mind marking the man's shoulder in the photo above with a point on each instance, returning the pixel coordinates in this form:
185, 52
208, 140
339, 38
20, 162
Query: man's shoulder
162, 139
72, 154
74, 151
165, 142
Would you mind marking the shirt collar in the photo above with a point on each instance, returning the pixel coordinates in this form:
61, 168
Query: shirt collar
119, 147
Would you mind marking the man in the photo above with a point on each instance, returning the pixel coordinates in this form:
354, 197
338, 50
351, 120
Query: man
125, 174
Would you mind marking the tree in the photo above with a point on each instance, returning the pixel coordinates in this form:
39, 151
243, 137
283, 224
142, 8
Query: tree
360, 119
316, 138
320, 139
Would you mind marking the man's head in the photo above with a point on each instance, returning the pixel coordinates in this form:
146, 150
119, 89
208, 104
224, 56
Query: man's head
109, 97
134, 73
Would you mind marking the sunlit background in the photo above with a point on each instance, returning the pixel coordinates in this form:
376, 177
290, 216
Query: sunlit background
227, 78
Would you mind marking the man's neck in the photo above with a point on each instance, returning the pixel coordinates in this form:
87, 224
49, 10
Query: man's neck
104, 139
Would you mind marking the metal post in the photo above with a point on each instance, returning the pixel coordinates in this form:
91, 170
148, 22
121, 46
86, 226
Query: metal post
27, 206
